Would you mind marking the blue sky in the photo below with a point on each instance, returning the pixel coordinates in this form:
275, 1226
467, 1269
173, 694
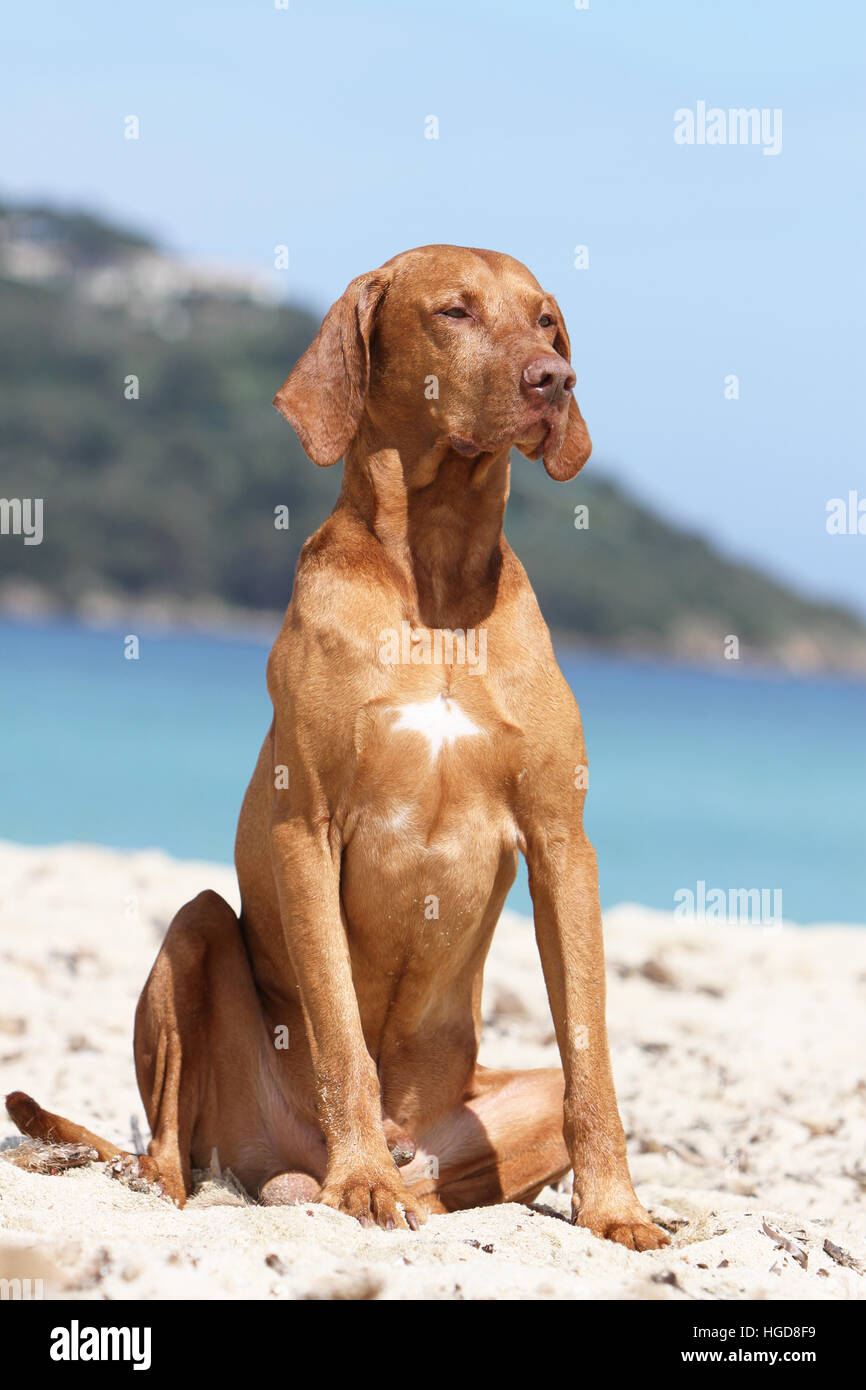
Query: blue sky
306, 126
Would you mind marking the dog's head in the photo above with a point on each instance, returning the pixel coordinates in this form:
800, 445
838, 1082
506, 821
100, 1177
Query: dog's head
447, 346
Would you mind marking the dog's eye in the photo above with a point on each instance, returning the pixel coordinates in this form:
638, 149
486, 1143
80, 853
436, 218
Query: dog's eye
454, 313
546, 321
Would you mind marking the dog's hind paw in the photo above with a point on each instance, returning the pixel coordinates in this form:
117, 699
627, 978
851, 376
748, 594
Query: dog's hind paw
138, 1172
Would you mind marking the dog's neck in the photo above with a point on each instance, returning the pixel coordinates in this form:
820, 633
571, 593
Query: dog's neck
438, 518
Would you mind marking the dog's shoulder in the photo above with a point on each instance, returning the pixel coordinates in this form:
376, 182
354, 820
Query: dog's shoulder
519, 608
336, 608
336, 577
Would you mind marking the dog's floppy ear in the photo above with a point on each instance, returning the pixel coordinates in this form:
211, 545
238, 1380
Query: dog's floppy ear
569, 448
323, 397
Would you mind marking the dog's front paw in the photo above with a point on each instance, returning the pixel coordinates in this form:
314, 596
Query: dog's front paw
626, 1223
373, 1197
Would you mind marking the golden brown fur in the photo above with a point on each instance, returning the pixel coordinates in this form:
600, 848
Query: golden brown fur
380, 832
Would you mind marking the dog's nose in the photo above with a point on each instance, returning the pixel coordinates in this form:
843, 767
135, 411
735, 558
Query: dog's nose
547, 378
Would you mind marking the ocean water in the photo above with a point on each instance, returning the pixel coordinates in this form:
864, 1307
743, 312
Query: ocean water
736, 780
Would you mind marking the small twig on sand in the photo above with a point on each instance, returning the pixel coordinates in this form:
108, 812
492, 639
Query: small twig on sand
842, 1257
785, 1243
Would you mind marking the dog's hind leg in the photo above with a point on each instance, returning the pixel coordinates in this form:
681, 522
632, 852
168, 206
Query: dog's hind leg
502, 1144
199, 1043
173, 1026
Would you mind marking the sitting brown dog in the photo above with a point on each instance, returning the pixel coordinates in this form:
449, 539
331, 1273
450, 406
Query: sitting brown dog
326, 1042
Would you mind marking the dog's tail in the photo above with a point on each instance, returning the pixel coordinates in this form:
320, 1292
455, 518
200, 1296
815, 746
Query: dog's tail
37, 1123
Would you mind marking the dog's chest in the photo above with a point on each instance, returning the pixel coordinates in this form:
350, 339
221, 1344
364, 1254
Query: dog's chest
425, 753
440, 722
429, 814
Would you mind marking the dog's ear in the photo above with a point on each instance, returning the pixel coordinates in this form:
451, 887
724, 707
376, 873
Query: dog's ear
323, 397
571, 447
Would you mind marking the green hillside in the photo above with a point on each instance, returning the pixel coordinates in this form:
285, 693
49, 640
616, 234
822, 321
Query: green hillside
173, 494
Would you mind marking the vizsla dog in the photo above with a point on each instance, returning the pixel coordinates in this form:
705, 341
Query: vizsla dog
325, 1043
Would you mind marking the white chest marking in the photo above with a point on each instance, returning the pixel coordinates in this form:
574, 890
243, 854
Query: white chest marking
441, 721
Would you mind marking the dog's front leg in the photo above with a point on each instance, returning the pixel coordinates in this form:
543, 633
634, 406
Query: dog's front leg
361, 1178
564, 884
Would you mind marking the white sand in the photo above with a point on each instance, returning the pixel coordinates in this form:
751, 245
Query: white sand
741, 1079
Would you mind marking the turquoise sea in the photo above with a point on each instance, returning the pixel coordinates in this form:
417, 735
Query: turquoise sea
737, 780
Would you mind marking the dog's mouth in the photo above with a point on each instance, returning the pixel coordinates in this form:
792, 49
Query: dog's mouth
466, 448
545, 439
538, 437
536, 448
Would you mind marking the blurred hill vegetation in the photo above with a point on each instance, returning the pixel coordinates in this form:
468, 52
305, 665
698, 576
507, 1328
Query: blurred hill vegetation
172, 496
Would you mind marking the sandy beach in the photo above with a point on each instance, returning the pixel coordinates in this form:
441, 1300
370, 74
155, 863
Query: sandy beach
740, 1062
